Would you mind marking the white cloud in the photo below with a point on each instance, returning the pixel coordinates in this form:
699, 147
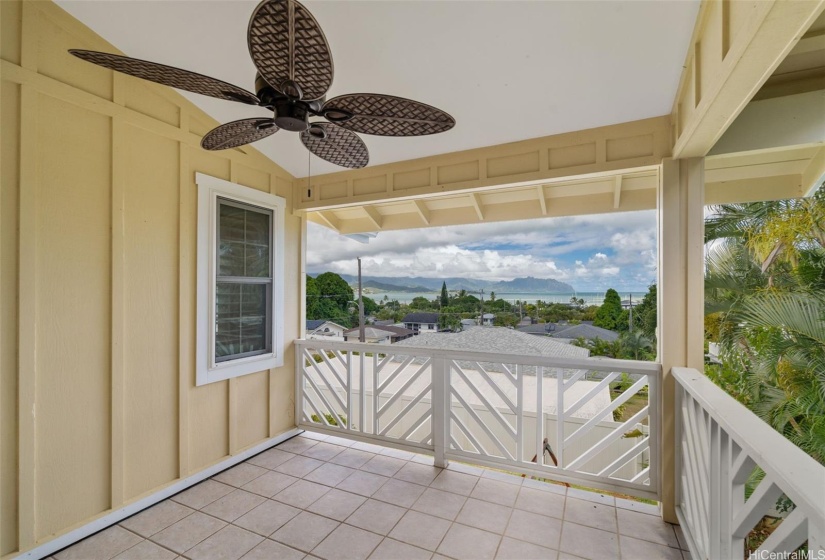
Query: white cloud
590, 252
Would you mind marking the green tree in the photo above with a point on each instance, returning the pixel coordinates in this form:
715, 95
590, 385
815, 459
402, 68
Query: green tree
445, 298
609, 313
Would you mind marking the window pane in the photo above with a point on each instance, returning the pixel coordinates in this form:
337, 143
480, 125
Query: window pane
241, 321
244, 242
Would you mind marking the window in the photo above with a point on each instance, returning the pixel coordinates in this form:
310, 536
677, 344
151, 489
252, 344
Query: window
240, 280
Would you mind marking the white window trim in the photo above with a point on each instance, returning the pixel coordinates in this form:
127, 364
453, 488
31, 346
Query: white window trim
209, 190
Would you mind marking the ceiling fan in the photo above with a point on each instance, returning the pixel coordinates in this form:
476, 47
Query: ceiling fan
294, 72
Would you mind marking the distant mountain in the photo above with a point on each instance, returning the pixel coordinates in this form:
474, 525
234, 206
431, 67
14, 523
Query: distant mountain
423, 284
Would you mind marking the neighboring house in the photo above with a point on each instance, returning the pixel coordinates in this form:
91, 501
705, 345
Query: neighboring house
587, 331
378, 335
468, 323
541, 329
627, 304
320, 329
384, 323
421, 322
487, 319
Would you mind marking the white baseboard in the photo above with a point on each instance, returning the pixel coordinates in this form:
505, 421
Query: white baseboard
122, 513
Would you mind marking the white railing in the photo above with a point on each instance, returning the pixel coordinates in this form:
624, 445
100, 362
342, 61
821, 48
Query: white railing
720, 445
495, 410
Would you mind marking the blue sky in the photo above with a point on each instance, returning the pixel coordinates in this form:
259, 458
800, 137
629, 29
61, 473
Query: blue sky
591, 253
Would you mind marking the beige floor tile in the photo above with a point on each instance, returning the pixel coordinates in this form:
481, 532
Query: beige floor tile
641, 507
323, 451
347, 543
423, 459
496, 492
305, 532
383, 465
375, 516
587, 542
484, 515
230, 543
362, 446
297, 444
680, 537
102, 546
233, 505
299, 466
464, 468
503, 477
534, 528
239, 475
156, 518
329, 474
271, 458
455, 482
363, 483
544, 486
397, 453
538, 501
343, 442
420, 529
314, 435
399, 492
203, 494
593, 496
267, 517
146, 550
188, 532
270, 484
568, 556
337, 504
646, 527
301, 494
512, 549
417, 473
440, 503
352, 458
469, 543
637, 548
390, 549
591, 514
271, 550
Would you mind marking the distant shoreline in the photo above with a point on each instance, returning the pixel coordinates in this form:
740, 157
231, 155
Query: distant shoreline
590, 298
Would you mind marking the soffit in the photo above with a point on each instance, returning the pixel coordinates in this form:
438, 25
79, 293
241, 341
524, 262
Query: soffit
506, 71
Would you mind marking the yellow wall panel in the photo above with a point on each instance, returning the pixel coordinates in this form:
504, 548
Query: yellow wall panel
150, 262
52, 40
251, 396
97, 260
141, 98
369, 185
11, 15
9, 185
73, 307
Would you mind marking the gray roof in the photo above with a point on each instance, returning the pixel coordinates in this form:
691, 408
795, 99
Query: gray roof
378, 332
313, 324
497, 340
589, 332
384, 322
420, 318
540, 328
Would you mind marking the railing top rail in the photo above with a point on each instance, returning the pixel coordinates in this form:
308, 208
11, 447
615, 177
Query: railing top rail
802, 478
595, 364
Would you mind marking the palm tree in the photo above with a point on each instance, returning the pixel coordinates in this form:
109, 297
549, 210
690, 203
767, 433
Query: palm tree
765, 280
635, 344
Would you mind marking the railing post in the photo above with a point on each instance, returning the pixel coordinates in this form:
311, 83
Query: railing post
299, 382
441, 411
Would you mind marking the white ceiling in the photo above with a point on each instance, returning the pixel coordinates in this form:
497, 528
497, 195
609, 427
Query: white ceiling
506, 70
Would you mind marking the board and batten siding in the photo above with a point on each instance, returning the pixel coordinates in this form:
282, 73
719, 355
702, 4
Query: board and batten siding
98, 212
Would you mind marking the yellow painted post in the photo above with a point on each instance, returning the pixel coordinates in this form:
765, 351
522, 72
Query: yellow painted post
681, 298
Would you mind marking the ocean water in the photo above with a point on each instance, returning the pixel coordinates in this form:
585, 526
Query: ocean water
590, 298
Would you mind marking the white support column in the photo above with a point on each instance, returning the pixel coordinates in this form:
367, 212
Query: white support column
681, 297
441, 411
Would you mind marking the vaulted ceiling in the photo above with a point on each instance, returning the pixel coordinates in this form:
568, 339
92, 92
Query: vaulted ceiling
506, 70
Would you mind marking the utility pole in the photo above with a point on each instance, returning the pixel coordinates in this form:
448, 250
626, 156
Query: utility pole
481, 318
631, 312
361, 337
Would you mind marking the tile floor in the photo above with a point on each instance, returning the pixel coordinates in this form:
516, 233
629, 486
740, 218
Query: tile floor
324, 497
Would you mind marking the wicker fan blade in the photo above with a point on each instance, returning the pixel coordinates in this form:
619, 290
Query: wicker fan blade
168, 76
287, 44
238, 133
340, 146
386, 115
